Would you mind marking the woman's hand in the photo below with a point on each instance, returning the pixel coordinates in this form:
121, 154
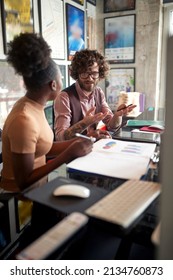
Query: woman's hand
80, 147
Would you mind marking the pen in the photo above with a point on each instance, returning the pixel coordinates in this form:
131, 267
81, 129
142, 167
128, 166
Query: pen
92, 139
124, 107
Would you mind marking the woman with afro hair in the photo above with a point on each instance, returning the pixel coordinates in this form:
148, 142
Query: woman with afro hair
27, 137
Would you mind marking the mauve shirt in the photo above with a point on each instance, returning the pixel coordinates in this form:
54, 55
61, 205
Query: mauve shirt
63, 111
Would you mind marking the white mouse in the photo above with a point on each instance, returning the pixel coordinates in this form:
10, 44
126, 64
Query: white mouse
157, 126
72, 190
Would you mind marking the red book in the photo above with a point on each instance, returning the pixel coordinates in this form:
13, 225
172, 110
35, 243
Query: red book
152, 129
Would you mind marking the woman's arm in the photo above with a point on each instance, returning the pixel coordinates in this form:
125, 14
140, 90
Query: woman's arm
23, 164
59, 146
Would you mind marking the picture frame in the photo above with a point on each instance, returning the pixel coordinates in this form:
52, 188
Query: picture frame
81, 2
51, 15
119, 38
93, 2
17, 17
75, 22
111, 6
119, 79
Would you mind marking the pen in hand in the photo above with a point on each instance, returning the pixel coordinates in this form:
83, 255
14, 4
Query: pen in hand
92, 139
124, 107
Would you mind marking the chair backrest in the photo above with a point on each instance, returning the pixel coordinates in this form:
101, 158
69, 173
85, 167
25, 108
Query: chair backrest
49, 113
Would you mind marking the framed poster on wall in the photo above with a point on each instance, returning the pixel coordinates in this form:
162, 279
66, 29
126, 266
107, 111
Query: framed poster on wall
75, 30
93, 2
119, 39
81, 2
17, 17
111, 6
119, 79
52, 26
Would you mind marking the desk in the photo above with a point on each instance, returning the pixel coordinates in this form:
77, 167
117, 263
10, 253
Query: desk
98, 241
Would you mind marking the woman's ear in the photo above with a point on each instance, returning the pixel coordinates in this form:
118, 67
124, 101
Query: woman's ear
53, 85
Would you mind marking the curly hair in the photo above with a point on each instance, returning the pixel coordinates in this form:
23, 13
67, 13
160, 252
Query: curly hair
86, 58
29, 54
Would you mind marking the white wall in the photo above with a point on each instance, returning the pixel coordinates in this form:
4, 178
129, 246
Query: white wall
146, 49
148, 42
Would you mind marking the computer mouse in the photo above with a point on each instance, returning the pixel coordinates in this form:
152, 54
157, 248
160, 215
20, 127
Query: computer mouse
157, 126
72, 190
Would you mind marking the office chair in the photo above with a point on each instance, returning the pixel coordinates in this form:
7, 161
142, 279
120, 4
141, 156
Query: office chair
49, 113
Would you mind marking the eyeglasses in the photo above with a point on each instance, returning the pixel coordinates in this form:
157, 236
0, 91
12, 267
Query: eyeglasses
85, 75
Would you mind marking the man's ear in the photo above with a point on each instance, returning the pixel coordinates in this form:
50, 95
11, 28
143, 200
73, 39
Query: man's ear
53, 85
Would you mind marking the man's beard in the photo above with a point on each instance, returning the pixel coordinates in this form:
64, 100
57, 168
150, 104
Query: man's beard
88, 87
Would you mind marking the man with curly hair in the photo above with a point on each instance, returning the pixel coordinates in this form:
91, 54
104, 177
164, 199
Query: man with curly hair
80, 107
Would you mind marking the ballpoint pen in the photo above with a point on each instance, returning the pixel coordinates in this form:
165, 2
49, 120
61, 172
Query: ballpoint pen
124, 107
92, 139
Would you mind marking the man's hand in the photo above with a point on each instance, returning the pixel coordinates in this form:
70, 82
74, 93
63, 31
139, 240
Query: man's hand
98, 134
92, 118
123, 110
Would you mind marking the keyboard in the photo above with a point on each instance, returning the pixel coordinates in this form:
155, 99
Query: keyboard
126, 203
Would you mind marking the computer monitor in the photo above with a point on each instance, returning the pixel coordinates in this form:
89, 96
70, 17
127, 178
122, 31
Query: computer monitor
165, 251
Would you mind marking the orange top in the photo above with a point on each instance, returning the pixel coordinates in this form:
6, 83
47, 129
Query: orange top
26, 130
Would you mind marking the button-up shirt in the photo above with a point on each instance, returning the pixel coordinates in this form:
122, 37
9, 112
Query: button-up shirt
63, 112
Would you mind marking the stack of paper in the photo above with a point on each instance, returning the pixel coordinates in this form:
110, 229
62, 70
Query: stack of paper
116, 158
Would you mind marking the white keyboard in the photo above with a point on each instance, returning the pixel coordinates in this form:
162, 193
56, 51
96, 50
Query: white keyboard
124, 204
50, 241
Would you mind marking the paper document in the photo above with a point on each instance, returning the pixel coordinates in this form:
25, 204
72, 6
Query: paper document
116, 158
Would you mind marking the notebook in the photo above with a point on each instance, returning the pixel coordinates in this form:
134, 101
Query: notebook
141, 123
